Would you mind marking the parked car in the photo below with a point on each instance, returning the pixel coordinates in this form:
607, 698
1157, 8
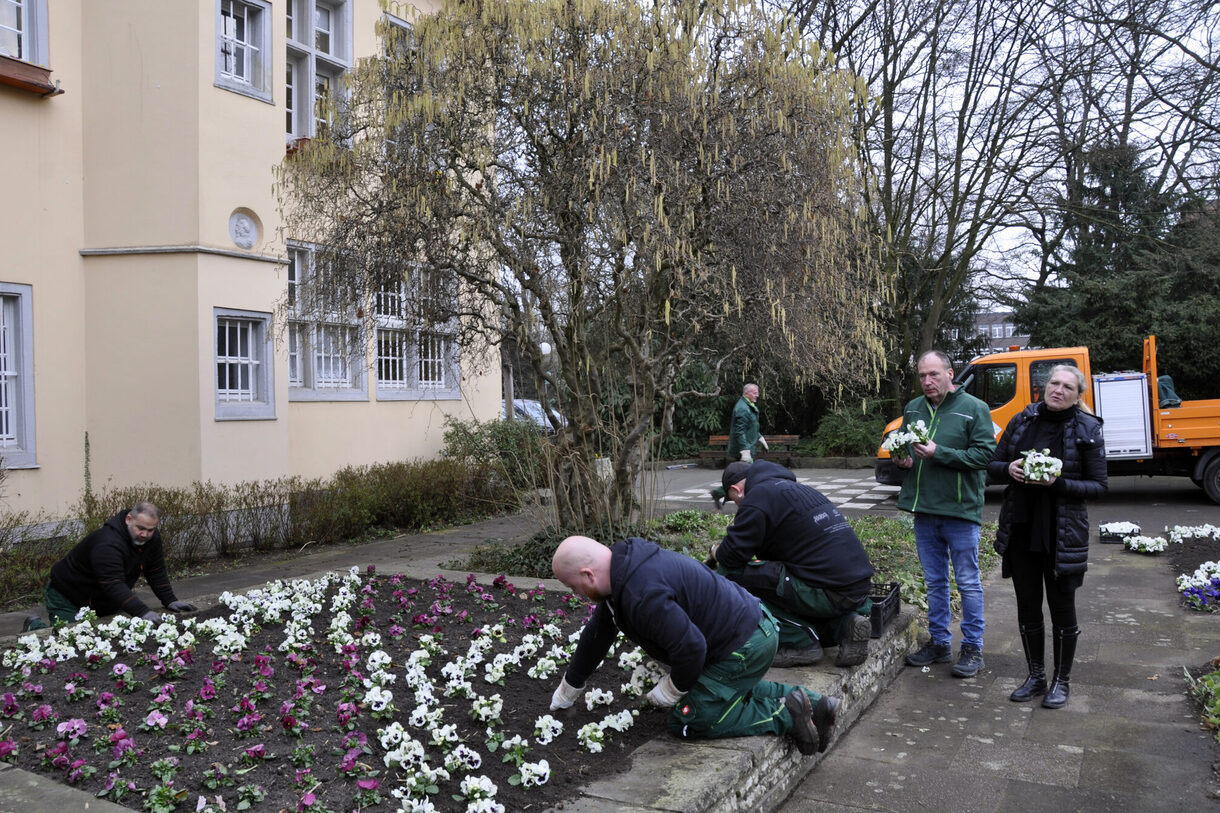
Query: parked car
531, 410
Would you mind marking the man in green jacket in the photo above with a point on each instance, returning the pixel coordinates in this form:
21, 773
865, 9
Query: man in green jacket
944, 490
744, 434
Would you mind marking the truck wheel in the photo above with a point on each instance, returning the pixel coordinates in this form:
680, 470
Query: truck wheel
1211, 480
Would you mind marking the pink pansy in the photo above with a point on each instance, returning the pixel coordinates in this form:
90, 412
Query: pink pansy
120, 669
76, 772
72, 729
155, 719
257, 751
7, 748
11, 706
249, 721
43, 713
368, 784
307, 800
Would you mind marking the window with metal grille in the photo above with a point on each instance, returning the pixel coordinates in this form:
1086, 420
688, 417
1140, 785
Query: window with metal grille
319, 51
244, 385
243, 45
433, 349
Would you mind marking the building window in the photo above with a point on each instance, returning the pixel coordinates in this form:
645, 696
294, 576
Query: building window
416, 356
23, 30
997, 331
326, 357
16, 377
319, 51
244, 380
243, 47
1009, 330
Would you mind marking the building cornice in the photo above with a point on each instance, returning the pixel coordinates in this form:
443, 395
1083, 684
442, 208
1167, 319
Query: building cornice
122, 251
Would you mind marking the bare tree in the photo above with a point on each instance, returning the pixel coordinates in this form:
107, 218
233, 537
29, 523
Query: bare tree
625, 184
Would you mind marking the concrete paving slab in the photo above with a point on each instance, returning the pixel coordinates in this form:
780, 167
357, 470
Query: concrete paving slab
861, 784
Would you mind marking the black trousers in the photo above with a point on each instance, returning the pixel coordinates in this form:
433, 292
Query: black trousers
1032, 576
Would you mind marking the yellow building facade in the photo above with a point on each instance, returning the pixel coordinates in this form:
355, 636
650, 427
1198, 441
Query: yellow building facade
143, 264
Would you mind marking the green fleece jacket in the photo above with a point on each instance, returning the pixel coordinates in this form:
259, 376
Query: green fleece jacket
951, 483
743, 428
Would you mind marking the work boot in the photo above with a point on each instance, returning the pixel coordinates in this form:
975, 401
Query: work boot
853, 646
969, 661
1063, 647
824, 720
1033, 640
931, 652
718, 498
803, 730
789, 656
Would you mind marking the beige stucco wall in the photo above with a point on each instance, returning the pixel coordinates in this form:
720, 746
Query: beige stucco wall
142, 152
40, 229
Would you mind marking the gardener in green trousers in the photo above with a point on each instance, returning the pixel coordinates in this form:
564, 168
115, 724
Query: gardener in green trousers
744, 435
102, 569
717, 640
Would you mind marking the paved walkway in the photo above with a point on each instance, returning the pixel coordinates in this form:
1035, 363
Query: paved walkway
1128, 739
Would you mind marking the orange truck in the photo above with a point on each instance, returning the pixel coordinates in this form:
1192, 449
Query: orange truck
1145, 433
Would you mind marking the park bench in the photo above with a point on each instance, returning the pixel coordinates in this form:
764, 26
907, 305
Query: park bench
783, 449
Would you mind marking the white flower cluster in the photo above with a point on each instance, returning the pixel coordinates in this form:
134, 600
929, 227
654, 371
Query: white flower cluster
486, 709
593, 735
598, 697
1180, 533
1145, 544
1041, 465
643, 677
544, 668
463, 758
1201, 578
546, 729
896, 442
535, 773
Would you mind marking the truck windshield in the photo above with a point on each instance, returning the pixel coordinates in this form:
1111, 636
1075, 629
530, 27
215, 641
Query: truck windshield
993, 384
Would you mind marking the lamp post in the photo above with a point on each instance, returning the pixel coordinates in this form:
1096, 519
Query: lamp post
545, 349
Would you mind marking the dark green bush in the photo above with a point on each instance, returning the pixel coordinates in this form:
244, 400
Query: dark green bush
512, 451
849, 431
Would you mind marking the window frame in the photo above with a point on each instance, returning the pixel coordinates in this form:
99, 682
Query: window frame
258, 34
304, 342
392, 324
33, 32
262, 405
309, 63
22, 454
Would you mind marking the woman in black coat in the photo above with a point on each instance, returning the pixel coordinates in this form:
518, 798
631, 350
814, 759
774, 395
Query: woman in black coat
1043, 535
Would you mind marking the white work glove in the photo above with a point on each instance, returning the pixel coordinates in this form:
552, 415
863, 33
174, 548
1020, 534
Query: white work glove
565, 695
763, 441
746, 457
152, 616
665, 694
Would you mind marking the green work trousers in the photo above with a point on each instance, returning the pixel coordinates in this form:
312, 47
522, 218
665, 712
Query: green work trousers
731, 699
803, 611
59, 608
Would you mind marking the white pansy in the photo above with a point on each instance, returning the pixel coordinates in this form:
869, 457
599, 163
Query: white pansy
535, 773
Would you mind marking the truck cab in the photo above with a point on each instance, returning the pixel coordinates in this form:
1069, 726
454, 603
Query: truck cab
1006, 382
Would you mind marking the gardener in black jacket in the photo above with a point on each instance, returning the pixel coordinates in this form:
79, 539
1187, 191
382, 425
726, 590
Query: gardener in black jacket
792, 548
717, 640
103, 567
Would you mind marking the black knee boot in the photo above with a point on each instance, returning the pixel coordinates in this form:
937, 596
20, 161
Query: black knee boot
1033, 640
1064, 643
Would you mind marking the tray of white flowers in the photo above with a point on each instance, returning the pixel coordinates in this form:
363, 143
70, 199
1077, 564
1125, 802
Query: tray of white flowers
1113, 533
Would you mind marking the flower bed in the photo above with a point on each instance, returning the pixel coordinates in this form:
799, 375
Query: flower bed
349, 692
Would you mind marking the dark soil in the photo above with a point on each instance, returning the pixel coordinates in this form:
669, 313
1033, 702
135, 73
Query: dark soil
1186, 558
394, 602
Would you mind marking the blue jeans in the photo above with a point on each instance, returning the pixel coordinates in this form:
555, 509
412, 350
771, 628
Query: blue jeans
940, 540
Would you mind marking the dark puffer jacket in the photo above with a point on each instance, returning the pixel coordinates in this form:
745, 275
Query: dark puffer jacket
1083, 478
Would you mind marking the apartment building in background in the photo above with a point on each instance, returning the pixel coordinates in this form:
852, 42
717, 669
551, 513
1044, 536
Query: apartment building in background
143, 259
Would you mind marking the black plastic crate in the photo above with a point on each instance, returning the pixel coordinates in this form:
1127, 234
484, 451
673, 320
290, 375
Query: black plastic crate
886, 603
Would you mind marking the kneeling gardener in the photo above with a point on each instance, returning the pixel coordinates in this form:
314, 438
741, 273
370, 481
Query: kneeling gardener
792, 548
103, 567
717, 640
